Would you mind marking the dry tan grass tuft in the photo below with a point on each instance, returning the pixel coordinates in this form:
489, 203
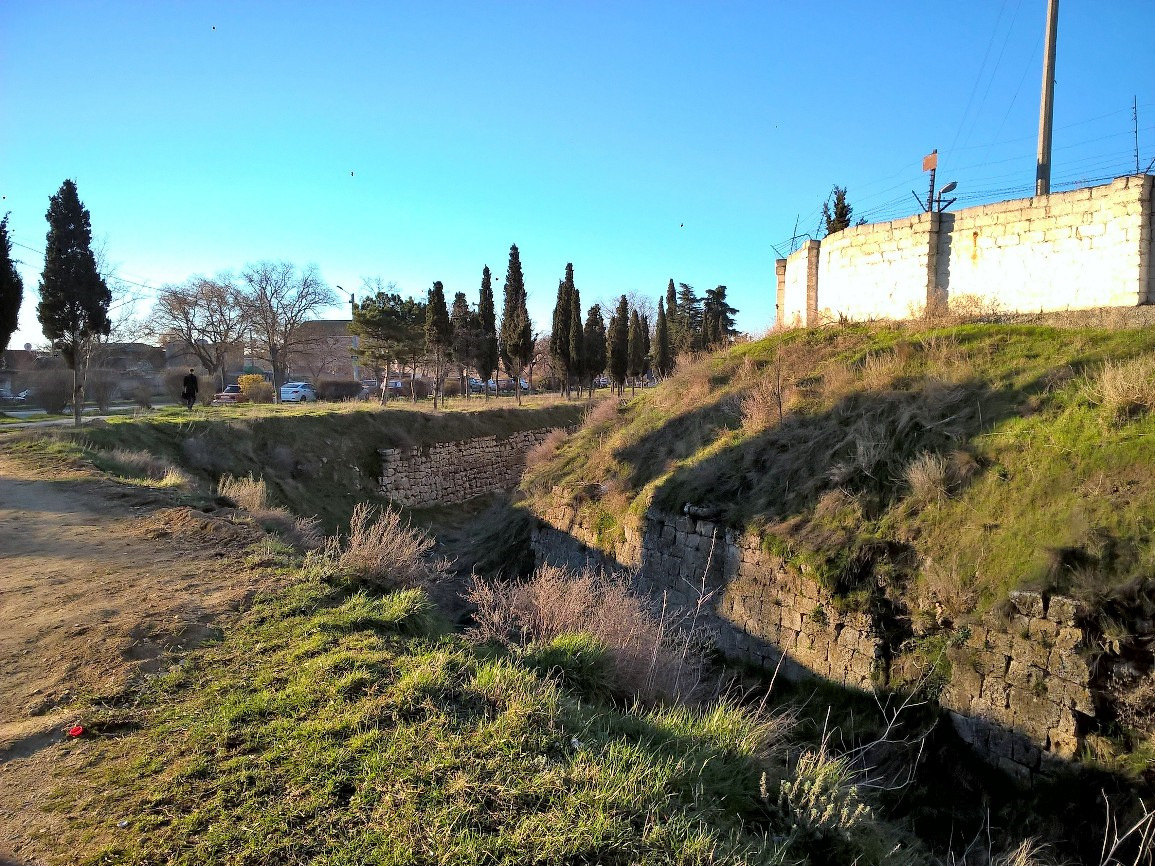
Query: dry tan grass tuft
1124, 387
543, 452
654, 659
880, 369
146, 465
928, 477
248, 493
382, 551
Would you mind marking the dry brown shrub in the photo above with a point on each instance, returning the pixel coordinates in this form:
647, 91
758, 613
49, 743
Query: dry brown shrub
603, 411
1124, 387
248, 493
543, 452
928, 477
944, 593
383, 551
880, 369
654, 658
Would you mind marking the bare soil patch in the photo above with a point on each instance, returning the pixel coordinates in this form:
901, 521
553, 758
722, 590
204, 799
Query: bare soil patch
100, 582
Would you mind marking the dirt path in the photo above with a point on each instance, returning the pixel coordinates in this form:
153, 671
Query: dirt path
98, 582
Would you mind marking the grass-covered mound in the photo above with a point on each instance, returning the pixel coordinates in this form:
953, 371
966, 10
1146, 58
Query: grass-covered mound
962, 461
316, 460
329, 727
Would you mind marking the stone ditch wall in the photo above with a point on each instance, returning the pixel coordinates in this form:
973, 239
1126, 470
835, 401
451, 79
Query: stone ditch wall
455, 471
1015, 687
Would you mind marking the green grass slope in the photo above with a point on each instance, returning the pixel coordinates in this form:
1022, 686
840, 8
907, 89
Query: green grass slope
962, 462
316, 461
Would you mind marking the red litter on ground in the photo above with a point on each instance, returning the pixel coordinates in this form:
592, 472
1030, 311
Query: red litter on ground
76, 730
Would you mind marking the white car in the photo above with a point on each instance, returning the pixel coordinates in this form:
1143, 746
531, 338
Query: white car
298, 392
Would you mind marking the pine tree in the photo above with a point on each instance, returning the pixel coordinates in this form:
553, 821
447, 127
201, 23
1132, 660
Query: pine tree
74, 298
11, 290
516, 338
594, 346
618, 345
487, 354
718, 319
577, 353
663, 360
836, 218
689, 318
635, 349
438, 335
673, 324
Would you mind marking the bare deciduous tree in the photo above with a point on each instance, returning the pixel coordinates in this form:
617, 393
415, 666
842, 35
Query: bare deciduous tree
204, 314
278, 299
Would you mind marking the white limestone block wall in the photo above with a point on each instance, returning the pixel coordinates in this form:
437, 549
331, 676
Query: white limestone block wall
1081, 249
801, 283
877, 271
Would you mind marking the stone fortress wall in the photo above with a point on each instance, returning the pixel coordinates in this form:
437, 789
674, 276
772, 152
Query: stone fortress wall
1014, 686
1082, 249
455, 471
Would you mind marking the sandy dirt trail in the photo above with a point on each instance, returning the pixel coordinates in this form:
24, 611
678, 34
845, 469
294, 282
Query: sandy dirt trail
99, 582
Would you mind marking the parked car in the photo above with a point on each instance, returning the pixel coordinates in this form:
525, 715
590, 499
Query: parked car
231, 394
7, 398
476, 386
298, 392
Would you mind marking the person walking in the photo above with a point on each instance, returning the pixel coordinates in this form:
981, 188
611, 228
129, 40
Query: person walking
191, 386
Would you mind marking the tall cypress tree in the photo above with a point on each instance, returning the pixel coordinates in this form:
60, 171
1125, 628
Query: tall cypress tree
466, 331
672, 322
74, 298
594, 346
438, 335
11, 291
487, 354
635, 349
618, 345
559, 338
516, 338
576, 340
646, 362
663, 360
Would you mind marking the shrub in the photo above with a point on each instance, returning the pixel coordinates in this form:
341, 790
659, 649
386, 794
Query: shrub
251, 494
248, 493
543, 452
654, 658
382, 551
100, 385
256, 388
928, 478
1124, 387
52, 389
338, 389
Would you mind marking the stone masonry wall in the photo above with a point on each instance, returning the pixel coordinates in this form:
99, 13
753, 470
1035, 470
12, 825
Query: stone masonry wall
1076, 250
1016, 688
455, 471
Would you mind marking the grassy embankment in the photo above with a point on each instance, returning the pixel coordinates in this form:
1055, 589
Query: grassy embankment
337, 725
316, 460
959, 463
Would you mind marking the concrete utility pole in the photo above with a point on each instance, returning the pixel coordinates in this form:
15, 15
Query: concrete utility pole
1047, 105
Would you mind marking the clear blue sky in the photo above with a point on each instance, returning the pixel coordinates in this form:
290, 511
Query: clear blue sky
641, 141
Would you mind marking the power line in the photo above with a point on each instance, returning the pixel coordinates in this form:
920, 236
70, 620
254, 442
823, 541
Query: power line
114, 276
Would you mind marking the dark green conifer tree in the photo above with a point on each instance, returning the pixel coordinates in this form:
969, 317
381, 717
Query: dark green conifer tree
576, 339
635, 350
11, 290
516, 337
74, 299
618, 345
487, 355
663, 359
689, 318
717, 319
594, 346
466, 335
438, 336
559, 337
